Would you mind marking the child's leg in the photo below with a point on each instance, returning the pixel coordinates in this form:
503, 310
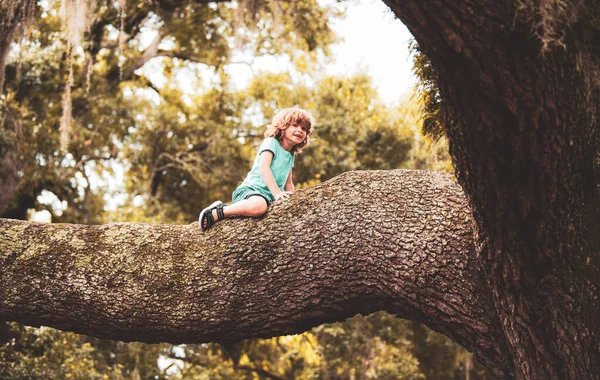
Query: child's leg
253, 206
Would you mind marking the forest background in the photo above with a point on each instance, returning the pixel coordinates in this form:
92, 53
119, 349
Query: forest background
126, 111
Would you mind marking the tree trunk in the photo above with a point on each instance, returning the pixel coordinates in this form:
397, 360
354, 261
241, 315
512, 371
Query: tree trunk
522, 128
400, 241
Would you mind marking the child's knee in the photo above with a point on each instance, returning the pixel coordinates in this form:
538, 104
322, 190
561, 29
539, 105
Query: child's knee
259, 207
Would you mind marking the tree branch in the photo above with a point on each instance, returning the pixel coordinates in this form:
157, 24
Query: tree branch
179, 55
150, 52
148, 83
400, 241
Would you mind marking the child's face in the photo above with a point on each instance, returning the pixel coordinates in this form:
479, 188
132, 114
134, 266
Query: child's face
294, 134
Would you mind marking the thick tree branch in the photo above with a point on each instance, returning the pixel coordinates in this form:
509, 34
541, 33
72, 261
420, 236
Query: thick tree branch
399, 241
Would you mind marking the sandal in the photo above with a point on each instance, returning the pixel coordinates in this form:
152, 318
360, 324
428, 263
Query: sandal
206, 219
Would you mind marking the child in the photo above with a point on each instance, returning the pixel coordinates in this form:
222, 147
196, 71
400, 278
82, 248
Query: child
270, 178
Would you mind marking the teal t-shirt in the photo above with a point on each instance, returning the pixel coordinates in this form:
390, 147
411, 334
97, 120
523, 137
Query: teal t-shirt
282, 163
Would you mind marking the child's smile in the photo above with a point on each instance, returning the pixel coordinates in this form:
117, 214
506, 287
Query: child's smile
294, 134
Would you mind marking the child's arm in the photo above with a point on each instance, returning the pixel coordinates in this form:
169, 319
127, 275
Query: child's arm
264, 168
289, 185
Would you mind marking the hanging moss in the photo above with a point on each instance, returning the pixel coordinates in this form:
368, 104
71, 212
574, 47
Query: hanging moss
16, 19
77, 16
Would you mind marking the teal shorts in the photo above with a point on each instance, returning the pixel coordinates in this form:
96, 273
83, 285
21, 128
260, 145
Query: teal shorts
245, 192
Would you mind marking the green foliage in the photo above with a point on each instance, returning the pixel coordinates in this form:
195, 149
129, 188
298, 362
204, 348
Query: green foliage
373, 347
300, 24
48, 354
356, 131
181, 156
428, 93
45, 353
440, 358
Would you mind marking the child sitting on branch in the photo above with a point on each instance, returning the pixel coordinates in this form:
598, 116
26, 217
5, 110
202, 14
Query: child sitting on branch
270, 178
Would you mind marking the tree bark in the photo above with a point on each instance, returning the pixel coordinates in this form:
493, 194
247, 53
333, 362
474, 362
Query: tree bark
400, 241
521, 119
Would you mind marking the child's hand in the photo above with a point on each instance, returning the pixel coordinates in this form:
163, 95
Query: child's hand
283, 195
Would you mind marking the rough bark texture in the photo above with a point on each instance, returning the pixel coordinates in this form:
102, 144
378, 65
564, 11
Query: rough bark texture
522, 125
400, 241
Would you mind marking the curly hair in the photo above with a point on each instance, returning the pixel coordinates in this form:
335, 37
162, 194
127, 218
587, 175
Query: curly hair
291, 116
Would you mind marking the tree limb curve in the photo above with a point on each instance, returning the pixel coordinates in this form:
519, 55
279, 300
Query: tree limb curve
400, 241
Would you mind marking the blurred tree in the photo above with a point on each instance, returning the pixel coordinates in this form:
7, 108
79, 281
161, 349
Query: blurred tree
46, 353
440, 358
372, 347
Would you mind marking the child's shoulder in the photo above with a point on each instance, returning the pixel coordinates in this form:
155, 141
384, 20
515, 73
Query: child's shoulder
270, 141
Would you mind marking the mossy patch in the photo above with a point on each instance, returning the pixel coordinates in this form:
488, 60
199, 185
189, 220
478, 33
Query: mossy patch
83, 261
77, 243
59, 235
12, 239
